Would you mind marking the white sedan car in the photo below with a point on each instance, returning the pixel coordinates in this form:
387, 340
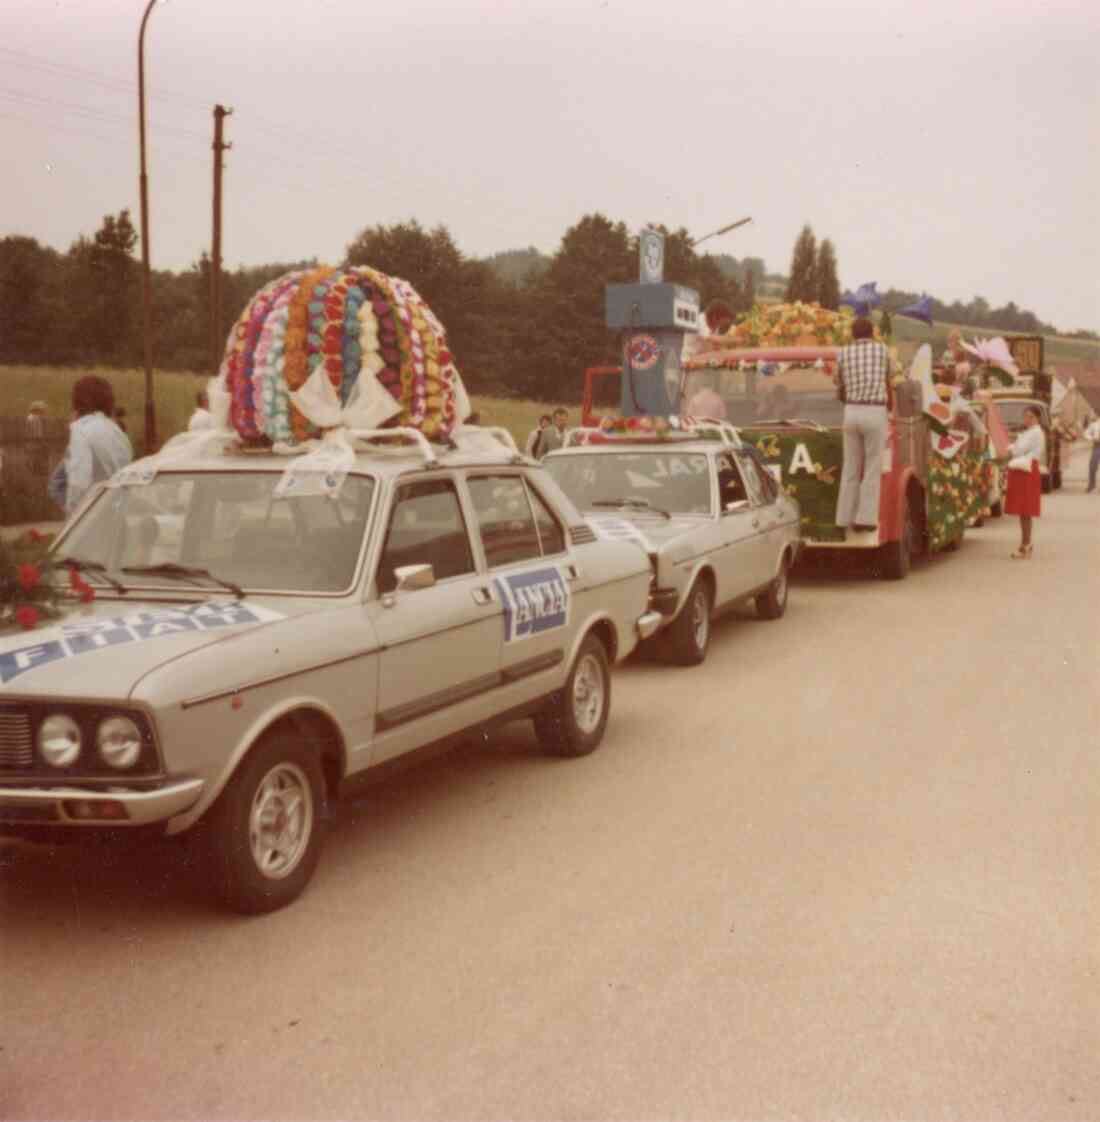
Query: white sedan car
253, 651
714, 524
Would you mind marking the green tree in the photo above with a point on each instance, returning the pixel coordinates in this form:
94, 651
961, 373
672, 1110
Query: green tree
467, 295
801, 279
564, 331
105, 272
826, 283
26, 314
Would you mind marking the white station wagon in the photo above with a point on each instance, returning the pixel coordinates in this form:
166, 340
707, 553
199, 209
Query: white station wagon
712, 520
250, 654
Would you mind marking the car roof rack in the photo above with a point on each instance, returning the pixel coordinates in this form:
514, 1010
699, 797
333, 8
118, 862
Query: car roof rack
684, 429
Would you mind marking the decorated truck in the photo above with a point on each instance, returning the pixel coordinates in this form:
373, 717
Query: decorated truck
784, 402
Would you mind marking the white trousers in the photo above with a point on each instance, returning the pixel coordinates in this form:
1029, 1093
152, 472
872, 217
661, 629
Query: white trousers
861, 475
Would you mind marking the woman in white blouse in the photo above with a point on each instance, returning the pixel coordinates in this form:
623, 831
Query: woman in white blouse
1025, 481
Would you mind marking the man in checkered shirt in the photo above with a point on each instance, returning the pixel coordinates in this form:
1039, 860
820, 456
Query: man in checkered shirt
863, 374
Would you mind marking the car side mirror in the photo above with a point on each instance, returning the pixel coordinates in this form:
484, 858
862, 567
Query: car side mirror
412, 577
736, 505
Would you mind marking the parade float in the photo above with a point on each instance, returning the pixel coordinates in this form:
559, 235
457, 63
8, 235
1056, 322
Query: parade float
783, 399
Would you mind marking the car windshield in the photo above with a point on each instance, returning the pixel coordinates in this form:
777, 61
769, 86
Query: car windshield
751, 397
1012, 412
668, 482
229, 524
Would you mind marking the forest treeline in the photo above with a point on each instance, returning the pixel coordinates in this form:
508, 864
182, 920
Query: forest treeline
520, 323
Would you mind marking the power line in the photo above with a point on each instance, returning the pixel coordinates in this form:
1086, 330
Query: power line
21, 58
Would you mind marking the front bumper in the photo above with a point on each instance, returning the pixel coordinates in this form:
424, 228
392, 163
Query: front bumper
664, 600
79, 806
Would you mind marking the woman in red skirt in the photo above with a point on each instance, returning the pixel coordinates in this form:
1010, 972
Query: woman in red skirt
1025, 481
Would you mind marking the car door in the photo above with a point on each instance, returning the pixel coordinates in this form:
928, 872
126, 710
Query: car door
440, 645
774, 518
743, 566
532, 575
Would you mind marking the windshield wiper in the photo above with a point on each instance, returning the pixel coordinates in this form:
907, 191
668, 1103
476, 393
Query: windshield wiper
633, 503
79, 565
183, 572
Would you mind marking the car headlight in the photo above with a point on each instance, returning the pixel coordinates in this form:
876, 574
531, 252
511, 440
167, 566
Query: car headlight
119, 742
59, 740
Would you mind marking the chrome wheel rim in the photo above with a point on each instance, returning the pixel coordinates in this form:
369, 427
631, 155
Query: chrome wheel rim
589, 694
700, 619
280, 823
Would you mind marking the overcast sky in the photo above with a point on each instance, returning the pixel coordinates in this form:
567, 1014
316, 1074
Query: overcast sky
946, 145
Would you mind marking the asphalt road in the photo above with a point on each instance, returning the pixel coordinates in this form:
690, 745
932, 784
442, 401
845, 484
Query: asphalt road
845, 870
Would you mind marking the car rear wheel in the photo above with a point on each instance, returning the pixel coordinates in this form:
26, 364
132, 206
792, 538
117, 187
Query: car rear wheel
773, 603
689, 633
897, 556
573, 721
267, 828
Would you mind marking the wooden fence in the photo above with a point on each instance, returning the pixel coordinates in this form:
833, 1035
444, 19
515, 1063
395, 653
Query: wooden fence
29, 451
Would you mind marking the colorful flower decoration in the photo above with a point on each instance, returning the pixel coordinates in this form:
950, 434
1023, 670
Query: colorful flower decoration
28, 595
791, 325
352, 323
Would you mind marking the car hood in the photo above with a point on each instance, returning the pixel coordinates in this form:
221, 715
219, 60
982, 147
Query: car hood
649, 531
103, 649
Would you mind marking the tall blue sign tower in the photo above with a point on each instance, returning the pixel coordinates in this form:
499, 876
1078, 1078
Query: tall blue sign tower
653, 317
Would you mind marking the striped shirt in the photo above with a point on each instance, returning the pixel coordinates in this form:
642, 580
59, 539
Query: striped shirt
863, 367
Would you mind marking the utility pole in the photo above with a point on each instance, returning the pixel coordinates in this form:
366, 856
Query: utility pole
146, 271
217, 341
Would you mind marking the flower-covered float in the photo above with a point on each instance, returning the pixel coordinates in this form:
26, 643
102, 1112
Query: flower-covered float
781, 394
794, 324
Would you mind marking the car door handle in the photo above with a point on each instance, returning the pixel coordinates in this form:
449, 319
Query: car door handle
482, 595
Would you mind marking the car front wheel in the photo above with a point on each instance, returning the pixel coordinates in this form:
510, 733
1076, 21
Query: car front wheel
572, 723
773, 603
689, 633
267, 828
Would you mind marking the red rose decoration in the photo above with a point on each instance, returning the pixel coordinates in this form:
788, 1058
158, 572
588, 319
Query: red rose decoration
27, 617
35, 536
87, 594
75, 580
29, 576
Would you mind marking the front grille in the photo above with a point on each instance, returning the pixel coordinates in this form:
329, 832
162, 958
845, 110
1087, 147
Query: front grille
582, 535
16, 742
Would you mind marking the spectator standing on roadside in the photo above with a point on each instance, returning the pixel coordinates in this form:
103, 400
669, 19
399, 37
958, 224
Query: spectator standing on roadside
202, 418
36, 417
1093, 433
97, 446
863, 379
533, 447
1025, 481
554, 436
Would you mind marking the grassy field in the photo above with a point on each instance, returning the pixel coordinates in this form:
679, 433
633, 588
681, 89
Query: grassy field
174, 395
175, 392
